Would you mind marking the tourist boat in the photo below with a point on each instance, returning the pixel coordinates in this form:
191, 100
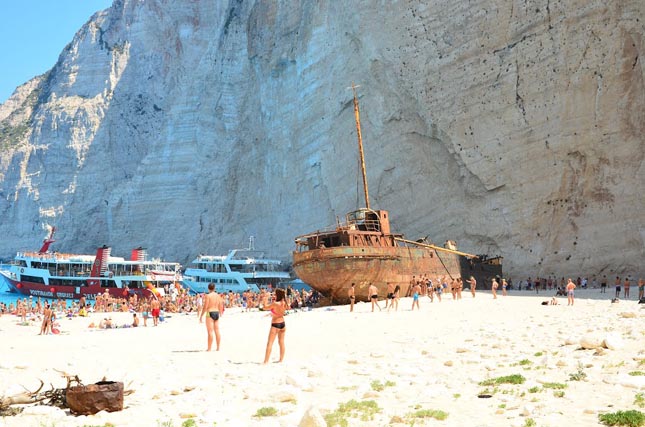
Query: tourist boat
58, 275
238, 271
363, 250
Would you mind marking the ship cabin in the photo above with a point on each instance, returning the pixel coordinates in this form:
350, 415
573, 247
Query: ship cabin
363, 227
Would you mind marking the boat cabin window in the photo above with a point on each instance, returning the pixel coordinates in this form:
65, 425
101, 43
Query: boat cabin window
32, 279
210, 267
248, 268
106, 283
67, 282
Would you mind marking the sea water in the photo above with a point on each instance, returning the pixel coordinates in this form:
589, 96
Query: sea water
11, 297
8, 297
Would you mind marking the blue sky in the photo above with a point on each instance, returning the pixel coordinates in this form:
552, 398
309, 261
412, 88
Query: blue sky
34, 33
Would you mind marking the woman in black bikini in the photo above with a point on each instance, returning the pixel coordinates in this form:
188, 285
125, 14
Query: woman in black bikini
278, 327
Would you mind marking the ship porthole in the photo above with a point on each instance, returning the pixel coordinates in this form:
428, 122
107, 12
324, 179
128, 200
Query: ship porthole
22, 270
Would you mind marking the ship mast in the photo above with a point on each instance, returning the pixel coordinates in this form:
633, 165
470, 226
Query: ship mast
360, 146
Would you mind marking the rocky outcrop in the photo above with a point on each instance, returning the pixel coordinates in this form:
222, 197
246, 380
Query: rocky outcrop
515, 128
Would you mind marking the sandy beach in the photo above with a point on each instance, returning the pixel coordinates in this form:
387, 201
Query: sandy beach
409, 363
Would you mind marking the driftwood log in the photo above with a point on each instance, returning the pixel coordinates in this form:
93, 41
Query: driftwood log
52, 397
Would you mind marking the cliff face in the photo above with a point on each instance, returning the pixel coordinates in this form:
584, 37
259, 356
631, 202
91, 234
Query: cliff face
515, 128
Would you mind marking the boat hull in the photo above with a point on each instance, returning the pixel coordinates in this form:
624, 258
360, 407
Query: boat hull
331, 271
69, 292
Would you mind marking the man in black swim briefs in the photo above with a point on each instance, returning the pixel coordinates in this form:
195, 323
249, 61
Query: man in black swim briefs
213, 305
373, 293
352, 298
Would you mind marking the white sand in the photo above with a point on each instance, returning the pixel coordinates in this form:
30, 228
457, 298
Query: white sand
436, 358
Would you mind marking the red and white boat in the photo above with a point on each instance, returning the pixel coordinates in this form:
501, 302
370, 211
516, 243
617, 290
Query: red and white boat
57, 275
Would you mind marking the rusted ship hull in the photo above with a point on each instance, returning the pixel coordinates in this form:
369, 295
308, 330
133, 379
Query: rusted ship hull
331, 271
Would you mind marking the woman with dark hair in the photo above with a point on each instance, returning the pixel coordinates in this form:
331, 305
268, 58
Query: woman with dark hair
278, 327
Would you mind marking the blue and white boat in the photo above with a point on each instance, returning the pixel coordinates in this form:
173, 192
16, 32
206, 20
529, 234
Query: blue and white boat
238, 271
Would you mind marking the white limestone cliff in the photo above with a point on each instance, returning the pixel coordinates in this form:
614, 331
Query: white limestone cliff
515, 128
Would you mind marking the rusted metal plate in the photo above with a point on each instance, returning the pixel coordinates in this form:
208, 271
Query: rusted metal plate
93, 398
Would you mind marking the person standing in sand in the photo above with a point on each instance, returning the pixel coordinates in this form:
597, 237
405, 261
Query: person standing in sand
47, 320
373, 295
641, 289
626, 284
617, 284
570, 294
390, 295
278, 326
144, 312
155, 309
473, 285
395, 299
213, 305
352, 297
439, 288
416, 291
493, 288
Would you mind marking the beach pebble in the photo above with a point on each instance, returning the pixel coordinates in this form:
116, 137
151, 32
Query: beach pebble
527, 410
613, 342
448, 363
312, 418
299, 381
629, 381
627, 314
599, 352
490, 365
284, 396
570, 341
314, 373
589, 342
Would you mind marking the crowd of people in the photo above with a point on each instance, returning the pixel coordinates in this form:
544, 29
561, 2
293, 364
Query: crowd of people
424, 285
621, 285
145, 310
